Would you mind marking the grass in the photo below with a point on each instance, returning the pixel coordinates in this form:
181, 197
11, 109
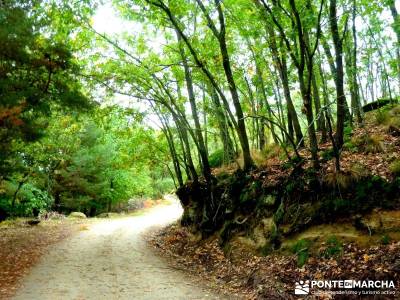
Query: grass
388, 117
395, 167
369, 143
261, 158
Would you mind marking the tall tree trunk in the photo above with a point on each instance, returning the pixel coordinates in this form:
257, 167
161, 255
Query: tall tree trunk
227, 143
261, 89
396, 28
333, 68
221, 37
325, 95
340, 96
280, 61
239, 123
188, 153
201, 144
205, 121
242, 134
174, 156
356, 103
318, 112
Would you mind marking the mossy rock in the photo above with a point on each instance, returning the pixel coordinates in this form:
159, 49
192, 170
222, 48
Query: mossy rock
380, 222
77, 215
300, 216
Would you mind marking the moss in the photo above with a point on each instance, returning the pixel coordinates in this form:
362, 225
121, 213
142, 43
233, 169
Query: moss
347, 133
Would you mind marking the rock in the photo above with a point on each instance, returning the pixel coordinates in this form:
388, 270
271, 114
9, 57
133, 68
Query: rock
379, 221
77, 215
33, 222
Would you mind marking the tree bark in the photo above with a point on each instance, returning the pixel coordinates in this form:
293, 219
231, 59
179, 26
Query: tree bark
189, 84
340, 96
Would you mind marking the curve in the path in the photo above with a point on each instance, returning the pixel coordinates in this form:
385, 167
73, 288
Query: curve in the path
111, 260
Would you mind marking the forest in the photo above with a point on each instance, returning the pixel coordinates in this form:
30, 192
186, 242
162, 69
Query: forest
267, 118
92, 120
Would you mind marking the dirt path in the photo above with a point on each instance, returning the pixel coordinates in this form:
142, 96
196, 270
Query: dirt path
111, 260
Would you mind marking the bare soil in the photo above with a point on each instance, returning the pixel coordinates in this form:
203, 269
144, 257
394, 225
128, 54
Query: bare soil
110, 259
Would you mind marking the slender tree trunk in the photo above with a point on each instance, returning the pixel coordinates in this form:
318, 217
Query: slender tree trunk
229, 151
340, 96
242, 134
221, 37
261, 88
354, 83
396, 28
318, 112
174, 156
333, 68
325, 94
202, 147
280, 61
186, 146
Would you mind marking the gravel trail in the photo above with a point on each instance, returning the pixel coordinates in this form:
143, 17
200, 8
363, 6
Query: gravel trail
111, 260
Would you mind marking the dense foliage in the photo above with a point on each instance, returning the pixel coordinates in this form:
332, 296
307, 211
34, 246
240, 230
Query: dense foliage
91, 118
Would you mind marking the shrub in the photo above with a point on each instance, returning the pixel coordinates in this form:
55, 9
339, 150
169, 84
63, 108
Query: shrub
272, 151
339, 179
328, 154
385, 240
358, 171
382, 117
259, 157
349, 145
216, 159
369, 143
347, 133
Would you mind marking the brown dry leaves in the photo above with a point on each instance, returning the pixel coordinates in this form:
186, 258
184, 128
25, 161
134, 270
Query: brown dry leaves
274, 276
21, 246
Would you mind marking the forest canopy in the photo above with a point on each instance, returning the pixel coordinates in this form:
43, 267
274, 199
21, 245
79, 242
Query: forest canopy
94, 117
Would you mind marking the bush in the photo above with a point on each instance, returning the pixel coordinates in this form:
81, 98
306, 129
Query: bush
339, 179
349, 145
328, 154
30, 200
382, 117
369, 143
385, 240
347, 133
273, 151
216, 159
